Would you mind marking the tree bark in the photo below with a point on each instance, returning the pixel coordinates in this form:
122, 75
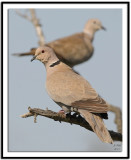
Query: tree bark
68, 118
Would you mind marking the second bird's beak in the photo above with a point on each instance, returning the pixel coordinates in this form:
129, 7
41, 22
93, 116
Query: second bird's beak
103, 28
34, 57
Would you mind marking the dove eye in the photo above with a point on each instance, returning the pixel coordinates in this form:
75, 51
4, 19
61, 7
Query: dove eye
43, 51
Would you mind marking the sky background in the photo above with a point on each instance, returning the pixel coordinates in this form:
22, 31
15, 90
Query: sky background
27, 80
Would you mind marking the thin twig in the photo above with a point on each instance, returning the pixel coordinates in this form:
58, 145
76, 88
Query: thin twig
78, 120
23, 15
29, 114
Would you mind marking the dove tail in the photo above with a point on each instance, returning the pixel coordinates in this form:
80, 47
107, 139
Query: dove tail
97, 125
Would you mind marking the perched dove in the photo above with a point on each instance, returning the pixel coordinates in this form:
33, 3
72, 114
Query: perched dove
73, 93
76, 48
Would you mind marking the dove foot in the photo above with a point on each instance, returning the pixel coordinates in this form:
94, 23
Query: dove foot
61, 112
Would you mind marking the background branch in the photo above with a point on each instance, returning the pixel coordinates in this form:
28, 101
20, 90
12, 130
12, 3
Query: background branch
23, 15
72, 119
35, 21
118, 117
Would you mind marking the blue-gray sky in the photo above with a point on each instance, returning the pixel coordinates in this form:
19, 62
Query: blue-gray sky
27, 80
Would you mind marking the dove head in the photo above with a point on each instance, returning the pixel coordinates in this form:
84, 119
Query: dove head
45, 54
92, 26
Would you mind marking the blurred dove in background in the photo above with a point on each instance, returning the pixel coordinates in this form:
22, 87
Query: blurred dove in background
76, 48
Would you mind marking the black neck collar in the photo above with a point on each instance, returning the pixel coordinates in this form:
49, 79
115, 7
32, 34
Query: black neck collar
55, 63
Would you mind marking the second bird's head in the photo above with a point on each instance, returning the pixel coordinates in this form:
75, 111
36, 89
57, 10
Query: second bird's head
93, 25
44, 54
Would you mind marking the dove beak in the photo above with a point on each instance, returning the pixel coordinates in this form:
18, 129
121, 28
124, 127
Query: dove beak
34, 57
102, 27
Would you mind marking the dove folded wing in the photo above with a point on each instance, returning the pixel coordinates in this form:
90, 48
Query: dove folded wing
73, 90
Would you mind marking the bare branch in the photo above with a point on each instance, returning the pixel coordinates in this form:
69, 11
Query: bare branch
37, 26
34, 20
72, 119
23, 15
118, 117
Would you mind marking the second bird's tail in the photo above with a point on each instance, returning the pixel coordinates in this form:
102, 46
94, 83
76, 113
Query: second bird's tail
32, 52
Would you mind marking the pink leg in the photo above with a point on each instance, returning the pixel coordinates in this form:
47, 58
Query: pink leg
61, 112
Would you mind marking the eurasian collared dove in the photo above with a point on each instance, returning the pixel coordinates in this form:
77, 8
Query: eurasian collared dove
76, 48
73, 93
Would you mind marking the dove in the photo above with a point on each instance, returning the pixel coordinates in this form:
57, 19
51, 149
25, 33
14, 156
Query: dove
73, 93
76, 48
